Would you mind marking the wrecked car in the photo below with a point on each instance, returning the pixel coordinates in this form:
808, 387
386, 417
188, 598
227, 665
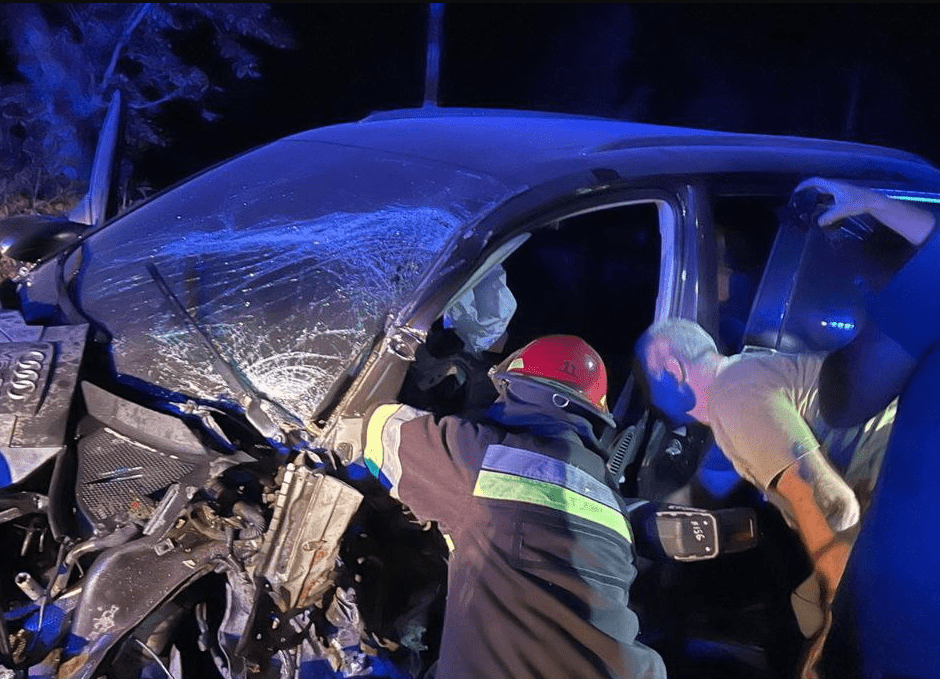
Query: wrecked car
183, 385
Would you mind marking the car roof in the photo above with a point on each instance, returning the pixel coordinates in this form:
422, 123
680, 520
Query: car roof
524, 148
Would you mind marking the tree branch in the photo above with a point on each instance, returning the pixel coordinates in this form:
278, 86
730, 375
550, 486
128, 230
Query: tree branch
119, 47
155, 102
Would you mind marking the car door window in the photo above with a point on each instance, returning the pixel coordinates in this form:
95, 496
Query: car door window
812, 295
595, 274
744, 228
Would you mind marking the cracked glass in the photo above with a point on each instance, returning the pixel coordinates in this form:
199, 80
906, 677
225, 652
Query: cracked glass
290, 257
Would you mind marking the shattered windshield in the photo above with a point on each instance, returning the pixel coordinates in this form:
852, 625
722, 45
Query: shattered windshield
290, 258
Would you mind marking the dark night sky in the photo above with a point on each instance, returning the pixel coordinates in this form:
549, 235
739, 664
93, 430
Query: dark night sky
862, 72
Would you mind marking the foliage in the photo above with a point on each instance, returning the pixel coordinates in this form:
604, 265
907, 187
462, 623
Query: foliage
65, 60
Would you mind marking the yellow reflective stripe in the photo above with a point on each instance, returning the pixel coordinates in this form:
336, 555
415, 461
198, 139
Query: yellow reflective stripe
374, 453
499, 486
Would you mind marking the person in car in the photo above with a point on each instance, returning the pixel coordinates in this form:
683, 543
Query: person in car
543, 560
886, 612
763, 411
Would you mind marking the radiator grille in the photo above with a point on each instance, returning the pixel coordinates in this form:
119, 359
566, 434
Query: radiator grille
117, 476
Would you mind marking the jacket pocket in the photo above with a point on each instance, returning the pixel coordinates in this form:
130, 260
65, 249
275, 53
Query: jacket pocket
561, 547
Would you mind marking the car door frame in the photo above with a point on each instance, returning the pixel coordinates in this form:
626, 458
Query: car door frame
479, 244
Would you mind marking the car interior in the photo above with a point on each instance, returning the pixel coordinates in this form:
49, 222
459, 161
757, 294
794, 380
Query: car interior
596, 275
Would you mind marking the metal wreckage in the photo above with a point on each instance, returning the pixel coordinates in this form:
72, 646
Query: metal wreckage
127, 526
133, 534
182, 387
150, 535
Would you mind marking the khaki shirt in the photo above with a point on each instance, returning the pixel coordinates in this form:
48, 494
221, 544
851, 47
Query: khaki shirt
764, 411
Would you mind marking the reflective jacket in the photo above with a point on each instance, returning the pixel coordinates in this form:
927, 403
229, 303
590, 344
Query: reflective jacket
543, 559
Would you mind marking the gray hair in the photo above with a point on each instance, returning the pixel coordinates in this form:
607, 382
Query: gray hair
687, 339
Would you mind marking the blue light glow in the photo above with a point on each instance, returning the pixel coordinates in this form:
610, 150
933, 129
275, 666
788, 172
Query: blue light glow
5, 478
838, 325
916, 198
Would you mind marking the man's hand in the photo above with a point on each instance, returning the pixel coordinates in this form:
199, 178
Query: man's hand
848, 199
909, 221
834, 498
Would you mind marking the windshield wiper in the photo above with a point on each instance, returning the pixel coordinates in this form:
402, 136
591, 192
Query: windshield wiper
234, 379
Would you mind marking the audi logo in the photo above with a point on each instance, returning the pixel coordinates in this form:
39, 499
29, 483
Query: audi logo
25, 377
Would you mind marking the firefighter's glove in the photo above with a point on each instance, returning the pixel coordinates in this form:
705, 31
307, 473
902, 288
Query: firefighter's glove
833, 497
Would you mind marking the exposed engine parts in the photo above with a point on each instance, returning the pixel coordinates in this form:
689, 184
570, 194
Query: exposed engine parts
311, 513
146, 534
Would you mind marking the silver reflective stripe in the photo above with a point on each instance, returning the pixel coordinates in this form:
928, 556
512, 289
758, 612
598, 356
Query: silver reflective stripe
532, 465
518, 475
383, 440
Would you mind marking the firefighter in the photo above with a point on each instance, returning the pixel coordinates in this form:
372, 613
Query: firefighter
543, 558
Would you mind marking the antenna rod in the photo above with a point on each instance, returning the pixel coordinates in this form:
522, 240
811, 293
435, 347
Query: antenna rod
432, 71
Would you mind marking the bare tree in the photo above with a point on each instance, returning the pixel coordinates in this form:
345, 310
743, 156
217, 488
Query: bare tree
70, 58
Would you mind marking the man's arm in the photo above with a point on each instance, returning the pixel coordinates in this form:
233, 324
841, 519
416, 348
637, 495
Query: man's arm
759, 427
822, 505
907, 220
428, 462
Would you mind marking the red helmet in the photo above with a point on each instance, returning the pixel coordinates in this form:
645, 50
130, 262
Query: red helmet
563, 361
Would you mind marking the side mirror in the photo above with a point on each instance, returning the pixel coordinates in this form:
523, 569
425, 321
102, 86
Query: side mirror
31, 238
